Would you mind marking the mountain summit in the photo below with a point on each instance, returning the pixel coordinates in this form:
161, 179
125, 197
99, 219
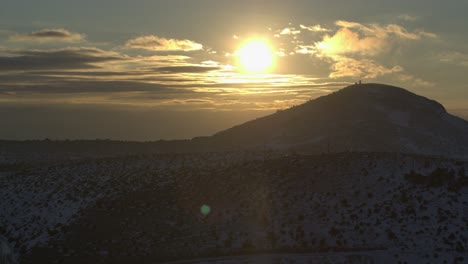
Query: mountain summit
360, 117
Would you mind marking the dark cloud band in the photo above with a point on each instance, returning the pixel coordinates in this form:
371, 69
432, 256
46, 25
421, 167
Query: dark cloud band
49, 35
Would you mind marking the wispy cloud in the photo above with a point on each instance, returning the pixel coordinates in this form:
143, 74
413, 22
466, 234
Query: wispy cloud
407, 17
363, 68
162, 59
454, 57
315, 28
415, 81
289, 31
387, 31
49, 35
156, 43
186, 69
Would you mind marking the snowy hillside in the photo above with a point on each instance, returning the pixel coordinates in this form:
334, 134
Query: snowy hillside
39, 199
392, 207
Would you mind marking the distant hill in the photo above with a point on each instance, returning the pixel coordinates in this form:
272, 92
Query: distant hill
365, 117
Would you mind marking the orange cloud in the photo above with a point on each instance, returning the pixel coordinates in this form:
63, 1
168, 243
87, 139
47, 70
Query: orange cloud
346, 41
355, 37
354, 40
156, 43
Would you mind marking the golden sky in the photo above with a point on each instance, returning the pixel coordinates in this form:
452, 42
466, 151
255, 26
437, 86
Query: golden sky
236, 60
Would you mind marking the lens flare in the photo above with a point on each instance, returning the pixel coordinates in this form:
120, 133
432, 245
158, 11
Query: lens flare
205, 209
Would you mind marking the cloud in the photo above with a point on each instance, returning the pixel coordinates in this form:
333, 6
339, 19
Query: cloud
93, 86
156, 43
305, 49
407, 17
49, 35
427, 34
289, 31
363, 68
371, 39
315, 28
354, 46
162, 59
385, 32
454, 57
69, 58
415, 81
294, 31
186, 69
346, 41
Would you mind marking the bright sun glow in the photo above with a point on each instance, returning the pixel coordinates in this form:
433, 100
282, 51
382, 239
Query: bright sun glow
255, 56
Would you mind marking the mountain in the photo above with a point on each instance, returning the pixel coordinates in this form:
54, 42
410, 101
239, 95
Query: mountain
363, 117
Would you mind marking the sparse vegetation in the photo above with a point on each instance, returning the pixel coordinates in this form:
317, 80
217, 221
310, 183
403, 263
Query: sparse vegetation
281, 204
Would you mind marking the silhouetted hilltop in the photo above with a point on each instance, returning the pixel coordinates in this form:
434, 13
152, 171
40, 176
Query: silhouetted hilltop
364, 117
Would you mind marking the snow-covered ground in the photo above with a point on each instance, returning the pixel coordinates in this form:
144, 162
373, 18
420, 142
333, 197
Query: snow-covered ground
36, 202
391, 206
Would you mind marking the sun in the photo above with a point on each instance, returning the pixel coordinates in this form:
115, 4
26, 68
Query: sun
255, 56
